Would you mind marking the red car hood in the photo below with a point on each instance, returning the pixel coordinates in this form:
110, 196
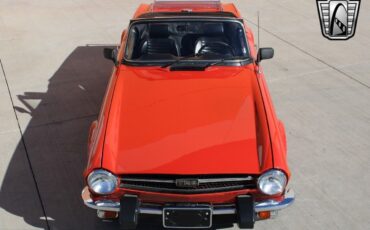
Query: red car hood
191, 122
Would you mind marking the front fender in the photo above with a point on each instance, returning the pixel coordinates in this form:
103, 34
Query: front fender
281, 127
91, 134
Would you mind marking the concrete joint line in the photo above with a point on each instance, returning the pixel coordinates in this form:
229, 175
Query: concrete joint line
25, 147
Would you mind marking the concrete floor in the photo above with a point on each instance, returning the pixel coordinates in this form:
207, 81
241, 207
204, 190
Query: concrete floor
55, 75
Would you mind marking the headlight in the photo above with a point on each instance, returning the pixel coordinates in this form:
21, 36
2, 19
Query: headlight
272, 182
102, 182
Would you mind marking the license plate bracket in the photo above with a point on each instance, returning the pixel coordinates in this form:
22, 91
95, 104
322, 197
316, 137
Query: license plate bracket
187, 217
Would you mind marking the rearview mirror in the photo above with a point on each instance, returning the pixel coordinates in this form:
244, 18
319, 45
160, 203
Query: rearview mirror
265, 53
111, 54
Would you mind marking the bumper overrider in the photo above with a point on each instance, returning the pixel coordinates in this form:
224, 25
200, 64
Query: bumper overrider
245, 207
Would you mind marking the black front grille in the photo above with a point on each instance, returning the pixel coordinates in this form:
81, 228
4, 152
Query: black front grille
188, 184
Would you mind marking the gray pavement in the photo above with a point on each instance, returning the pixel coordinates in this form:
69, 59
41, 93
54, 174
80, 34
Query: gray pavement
51, 55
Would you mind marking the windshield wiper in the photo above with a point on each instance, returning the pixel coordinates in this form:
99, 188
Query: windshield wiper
203, 67
178, 61
210, 64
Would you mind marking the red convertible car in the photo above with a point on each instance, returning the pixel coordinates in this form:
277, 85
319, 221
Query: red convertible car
187, 131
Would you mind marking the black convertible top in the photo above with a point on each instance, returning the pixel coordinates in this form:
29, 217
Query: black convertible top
186, 14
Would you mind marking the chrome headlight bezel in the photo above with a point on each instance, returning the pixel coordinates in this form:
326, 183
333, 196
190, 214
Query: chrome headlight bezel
272, 182
102, 182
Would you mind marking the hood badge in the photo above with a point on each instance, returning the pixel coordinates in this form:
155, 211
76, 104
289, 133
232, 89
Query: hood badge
187, 183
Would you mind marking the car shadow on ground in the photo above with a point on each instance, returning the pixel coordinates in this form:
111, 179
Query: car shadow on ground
55, 143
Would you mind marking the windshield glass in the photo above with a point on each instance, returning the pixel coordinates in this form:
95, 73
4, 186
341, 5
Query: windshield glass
169, 41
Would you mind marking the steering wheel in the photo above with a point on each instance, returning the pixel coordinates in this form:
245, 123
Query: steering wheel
224, 44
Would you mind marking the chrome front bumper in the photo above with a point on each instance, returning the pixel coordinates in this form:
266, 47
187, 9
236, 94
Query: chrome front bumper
268, 205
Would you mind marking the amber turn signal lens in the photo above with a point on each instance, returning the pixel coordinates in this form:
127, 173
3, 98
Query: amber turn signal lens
264, 215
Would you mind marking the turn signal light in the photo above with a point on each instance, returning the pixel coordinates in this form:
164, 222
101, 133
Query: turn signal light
264, 215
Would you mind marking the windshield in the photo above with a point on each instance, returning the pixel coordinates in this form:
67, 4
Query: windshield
154, 42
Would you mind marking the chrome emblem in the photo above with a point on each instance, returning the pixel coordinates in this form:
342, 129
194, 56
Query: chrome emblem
338, 18
187, 183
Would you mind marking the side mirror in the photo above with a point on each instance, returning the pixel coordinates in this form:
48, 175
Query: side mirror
111, 54
265, 53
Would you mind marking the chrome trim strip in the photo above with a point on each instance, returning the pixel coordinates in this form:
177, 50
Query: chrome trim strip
151, 211
104, 205
216, 180
201, 181
148, 180
269, 205
224, 211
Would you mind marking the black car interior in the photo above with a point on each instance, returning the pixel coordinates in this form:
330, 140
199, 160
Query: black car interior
159, 41
172, 40
214, 41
